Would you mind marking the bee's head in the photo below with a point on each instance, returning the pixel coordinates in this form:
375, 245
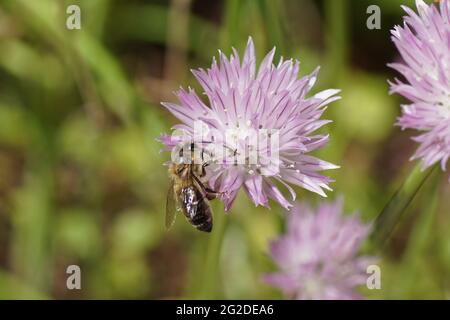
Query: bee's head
179, 170
189, 153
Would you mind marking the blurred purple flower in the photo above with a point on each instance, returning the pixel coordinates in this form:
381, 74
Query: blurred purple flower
424, 44
243, 102
317, 256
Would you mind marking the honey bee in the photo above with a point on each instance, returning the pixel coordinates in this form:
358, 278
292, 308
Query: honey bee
187, 193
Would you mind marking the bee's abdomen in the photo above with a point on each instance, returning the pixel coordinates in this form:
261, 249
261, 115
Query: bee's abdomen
196, 209
202, 221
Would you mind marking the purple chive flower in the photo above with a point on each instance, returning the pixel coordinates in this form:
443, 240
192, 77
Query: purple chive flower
424, 44
243, 103
317, 256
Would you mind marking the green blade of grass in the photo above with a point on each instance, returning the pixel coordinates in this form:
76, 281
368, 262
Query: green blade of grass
211, 271
395, 208
270, 13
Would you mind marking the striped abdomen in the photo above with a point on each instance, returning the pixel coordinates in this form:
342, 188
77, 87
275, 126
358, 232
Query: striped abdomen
196, 208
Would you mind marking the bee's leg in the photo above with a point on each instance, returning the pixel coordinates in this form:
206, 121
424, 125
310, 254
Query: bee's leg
204, 165
211, 194
203, 170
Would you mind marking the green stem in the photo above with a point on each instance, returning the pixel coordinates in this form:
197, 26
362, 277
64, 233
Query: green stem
210, 269
270, 13
392, 212
230, 29
337, 20
419, 239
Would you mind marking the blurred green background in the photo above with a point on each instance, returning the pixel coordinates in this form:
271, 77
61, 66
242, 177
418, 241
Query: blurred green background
81, 175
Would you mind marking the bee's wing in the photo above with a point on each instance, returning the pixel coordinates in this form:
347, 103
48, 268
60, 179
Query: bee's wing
171, 206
